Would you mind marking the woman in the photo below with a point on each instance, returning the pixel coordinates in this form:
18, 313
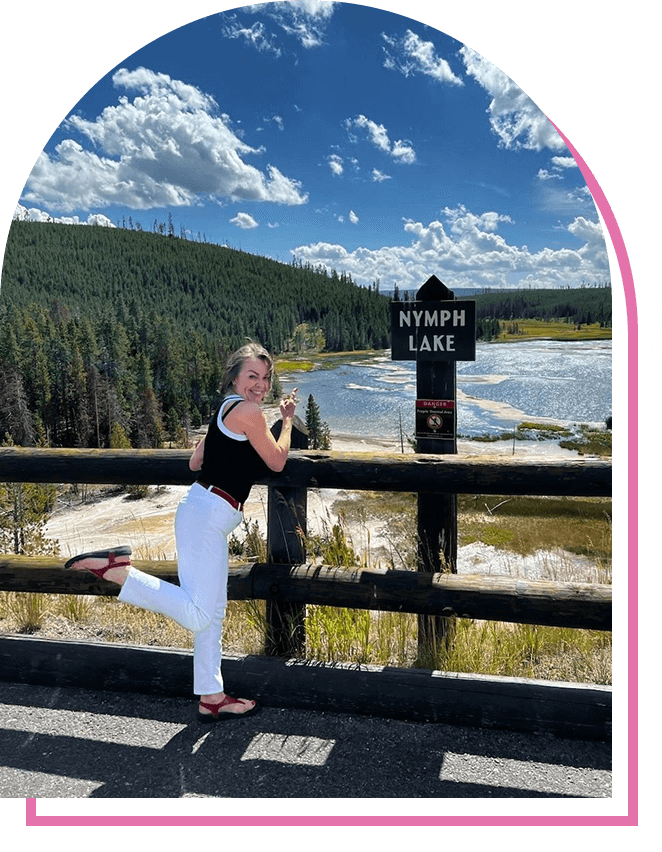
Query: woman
237, 450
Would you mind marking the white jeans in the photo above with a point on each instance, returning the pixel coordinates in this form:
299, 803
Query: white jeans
202, 525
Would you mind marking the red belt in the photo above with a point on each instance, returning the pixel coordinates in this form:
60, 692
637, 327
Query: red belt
224, 494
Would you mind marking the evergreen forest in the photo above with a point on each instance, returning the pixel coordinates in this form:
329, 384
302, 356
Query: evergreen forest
579, 306
116, 337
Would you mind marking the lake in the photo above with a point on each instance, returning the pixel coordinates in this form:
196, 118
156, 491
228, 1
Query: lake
544, 380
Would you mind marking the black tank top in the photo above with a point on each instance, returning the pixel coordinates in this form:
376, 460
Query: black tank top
229, 461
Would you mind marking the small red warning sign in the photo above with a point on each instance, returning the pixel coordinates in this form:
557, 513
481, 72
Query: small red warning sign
435, 418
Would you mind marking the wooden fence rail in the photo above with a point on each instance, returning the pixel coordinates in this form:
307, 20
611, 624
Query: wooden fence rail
554, 604
287, 584
320, 469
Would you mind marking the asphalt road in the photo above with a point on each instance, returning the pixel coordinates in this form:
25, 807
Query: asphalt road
74, 743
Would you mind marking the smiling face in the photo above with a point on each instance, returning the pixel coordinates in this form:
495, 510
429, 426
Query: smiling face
254, 380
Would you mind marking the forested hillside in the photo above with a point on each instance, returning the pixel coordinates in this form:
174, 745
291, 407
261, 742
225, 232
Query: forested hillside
109, 335
208, 288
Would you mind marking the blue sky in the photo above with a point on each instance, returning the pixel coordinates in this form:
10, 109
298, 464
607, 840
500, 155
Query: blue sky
339, 134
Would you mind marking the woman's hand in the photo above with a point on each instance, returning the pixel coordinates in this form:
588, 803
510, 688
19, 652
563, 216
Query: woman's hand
288, 404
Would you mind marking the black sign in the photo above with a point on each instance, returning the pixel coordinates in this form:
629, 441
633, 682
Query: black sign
433, 331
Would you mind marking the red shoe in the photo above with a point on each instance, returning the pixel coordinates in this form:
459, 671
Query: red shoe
215, 716
123, 550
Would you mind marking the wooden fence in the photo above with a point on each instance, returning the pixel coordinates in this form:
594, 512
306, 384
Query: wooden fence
287, 583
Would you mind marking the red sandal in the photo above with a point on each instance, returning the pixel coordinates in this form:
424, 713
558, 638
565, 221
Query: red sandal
123, 550
215, 716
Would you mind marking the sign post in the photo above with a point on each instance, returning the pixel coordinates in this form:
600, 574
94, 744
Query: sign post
436, 331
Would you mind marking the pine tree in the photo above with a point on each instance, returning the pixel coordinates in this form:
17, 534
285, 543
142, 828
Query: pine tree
24, 510
319, 435
15, 419
118, 438
147, 429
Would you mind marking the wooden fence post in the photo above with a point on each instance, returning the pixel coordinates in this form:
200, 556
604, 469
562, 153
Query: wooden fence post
287, 510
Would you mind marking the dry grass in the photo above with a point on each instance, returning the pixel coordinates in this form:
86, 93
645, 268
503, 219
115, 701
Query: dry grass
519, 526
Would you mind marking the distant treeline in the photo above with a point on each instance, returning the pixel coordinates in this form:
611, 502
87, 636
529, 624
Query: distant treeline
575, 305
579, 306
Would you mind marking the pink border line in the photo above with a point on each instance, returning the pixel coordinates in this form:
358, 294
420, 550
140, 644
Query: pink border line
629, 819
312, 821
632, 480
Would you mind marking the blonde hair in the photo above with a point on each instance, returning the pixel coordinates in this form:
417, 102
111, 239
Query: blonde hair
237, 360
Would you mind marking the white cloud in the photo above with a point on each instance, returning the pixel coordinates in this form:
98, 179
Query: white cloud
317, 9
514, 117
335, 164
411, 55
314, 11
304, 20
565, 162
98, 219
34, 214
559, 165
353, 218
543, 174
378, 136
275, 119
590, 234
403, 151
467, 250
165, 148
379, 177
566, 201
255, 36
244, 221
554, 194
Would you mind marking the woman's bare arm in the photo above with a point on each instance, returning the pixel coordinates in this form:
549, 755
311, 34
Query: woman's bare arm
248, 419
195, 462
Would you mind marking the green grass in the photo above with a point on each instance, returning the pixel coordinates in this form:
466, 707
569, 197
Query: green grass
524, 525
584, 439
294, 365
531, 329
589, 441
